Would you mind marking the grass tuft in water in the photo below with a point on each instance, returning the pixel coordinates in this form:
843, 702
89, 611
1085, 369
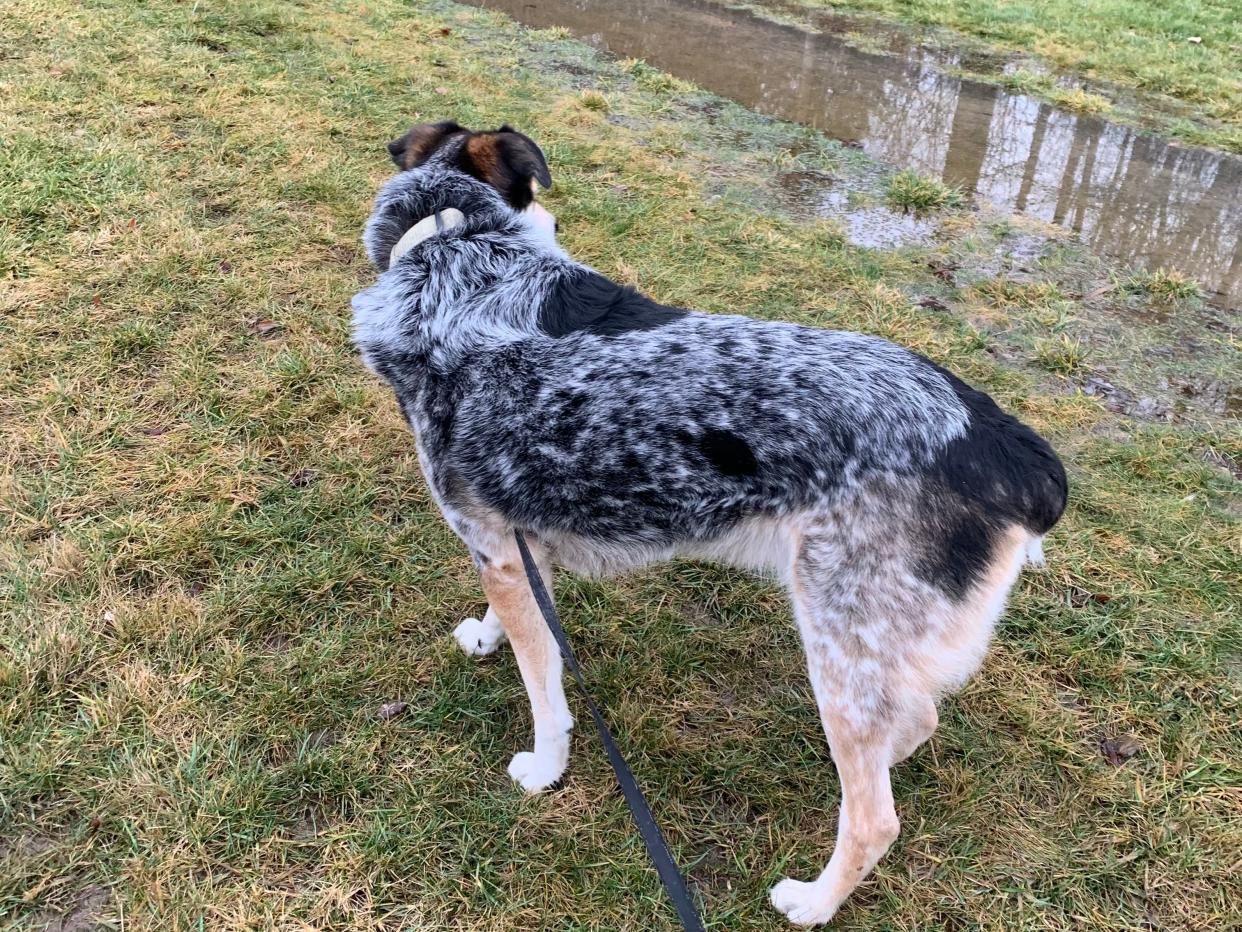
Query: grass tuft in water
1164, 285
1064, 354
911, 191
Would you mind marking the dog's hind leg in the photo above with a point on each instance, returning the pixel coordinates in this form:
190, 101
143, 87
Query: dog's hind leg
479, 637
857, 613
513, 604
919, 723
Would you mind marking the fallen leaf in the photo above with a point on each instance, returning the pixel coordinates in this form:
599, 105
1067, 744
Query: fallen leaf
96, 301
390, 710
1119, 750
1098, 386
262, 327
1098, 292
302, 478
441, 90
196, 588
445, 31
153, 430
225, 266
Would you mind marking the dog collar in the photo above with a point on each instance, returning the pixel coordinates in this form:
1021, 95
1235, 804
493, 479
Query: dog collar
438, 222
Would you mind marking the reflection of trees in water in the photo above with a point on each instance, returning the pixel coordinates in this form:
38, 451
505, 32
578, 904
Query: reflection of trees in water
1128, 194
918, 97
972, 121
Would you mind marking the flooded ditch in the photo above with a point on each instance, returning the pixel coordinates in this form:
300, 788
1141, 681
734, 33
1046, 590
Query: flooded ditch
1127, 194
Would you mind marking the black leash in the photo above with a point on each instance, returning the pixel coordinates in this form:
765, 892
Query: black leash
657, 850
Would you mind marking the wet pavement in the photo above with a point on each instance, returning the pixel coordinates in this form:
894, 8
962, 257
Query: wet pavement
1129, 195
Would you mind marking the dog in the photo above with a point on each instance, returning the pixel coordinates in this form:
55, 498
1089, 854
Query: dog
896, 503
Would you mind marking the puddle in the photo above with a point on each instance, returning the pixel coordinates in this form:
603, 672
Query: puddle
863, 224
1128, 195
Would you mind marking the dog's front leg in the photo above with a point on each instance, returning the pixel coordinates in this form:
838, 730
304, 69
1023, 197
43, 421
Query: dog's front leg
479, 637
512, 602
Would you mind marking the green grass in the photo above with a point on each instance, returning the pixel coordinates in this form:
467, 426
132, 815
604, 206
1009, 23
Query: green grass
910, 191
1134, 47
1061, 354
594, 100
217, 559
1081, 101
1164, 285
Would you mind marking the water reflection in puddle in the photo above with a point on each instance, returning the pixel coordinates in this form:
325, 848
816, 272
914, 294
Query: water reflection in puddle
1129, 195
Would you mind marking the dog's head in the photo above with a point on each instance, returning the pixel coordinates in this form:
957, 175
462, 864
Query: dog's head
504, 158
484, 177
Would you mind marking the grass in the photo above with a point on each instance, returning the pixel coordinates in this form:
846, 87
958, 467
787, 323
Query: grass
217, 560
594, 100
1061, 354
910, 191
1127, 47
1080, 101
1162, 284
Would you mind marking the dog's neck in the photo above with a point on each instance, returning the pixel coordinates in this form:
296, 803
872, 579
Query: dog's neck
438, 222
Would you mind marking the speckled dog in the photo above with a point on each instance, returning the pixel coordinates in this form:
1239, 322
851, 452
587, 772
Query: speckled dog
896, 503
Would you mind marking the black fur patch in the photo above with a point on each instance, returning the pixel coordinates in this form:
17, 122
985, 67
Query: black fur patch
587, 301
999, 473
729, 453
959, 543
1002, 464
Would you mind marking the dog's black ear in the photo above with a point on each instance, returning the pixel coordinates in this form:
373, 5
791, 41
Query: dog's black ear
507, 160
417, 145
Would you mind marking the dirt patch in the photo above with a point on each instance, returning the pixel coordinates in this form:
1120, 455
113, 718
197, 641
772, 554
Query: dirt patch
83, 915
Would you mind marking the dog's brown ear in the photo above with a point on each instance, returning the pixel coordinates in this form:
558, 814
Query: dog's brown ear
417, 145
509, 161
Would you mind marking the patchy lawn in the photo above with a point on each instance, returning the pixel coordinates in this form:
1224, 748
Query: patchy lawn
217, 558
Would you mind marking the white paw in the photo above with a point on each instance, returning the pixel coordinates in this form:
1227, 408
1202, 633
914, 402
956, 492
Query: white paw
801, 902
533, 772
478, 638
